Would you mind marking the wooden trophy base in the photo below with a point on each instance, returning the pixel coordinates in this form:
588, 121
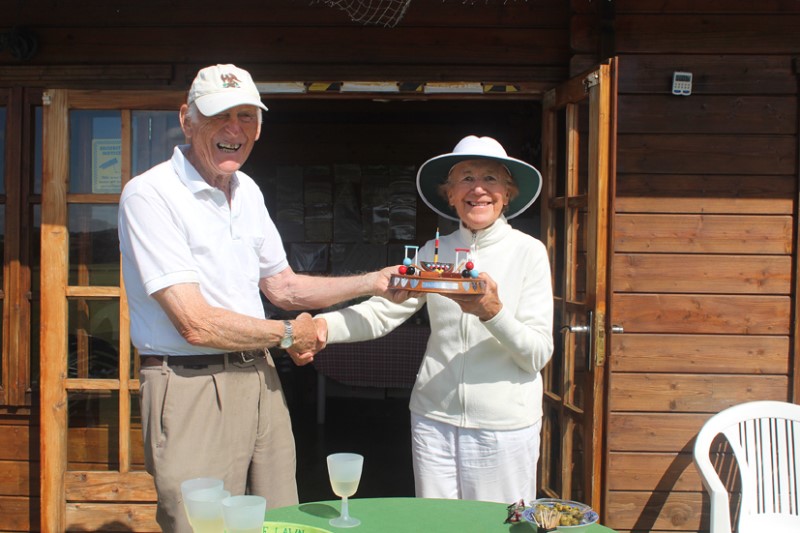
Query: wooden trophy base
441, 285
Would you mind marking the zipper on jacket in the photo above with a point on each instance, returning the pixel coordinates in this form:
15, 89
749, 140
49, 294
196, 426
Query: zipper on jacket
473, 252
473, 249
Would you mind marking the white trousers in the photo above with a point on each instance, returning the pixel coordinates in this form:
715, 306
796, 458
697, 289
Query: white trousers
474, 464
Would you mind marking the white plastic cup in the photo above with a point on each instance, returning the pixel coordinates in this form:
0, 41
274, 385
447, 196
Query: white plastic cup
204, 510
244, 514
199, 483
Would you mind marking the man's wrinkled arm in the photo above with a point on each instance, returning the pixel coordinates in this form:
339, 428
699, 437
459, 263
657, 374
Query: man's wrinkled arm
202, 324
291, 291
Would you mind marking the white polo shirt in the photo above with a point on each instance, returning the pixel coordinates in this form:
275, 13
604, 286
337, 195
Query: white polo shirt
175, 228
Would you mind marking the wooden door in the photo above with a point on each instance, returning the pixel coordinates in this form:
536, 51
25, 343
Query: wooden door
92, 469
577, 162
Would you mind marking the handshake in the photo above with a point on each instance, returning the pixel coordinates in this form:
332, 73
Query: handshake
310, 336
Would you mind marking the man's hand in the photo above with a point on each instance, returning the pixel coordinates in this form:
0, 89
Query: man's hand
393, 295
380, 281
305, 354
305, 333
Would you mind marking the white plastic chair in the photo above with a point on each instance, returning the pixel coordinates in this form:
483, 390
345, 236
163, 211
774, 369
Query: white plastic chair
765, 439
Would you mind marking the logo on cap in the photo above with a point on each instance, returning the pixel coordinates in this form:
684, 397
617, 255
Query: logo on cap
229, 81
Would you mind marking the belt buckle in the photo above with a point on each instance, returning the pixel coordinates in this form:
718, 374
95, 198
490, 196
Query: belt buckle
243, 359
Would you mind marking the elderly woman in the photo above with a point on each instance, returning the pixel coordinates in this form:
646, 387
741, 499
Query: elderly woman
476, 407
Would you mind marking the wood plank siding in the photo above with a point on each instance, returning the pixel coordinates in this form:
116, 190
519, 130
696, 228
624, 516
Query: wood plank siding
290, 40
703, 217
704, 230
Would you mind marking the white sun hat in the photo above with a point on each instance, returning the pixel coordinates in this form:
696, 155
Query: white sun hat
434, 172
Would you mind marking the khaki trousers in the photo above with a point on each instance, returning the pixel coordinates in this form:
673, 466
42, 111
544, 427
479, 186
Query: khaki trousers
223, 421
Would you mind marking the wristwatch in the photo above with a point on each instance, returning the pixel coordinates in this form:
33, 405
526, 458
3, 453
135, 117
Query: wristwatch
288, 335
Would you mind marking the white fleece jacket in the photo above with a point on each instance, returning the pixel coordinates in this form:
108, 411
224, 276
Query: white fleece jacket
474, 374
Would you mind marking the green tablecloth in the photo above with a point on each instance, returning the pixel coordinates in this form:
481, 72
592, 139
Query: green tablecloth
402, 515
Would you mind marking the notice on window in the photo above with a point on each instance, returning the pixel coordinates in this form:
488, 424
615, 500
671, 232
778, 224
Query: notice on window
106, 166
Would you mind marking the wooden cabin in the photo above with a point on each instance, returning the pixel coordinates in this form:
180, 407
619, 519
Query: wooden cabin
671, 219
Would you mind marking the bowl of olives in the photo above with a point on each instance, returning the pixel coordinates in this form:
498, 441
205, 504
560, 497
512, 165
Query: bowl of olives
550, 514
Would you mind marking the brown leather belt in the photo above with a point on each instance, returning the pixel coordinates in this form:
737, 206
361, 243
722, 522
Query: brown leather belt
204, 360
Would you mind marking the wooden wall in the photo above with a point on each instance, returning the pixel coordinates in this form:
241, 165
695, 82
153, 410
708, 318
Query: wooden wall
154, 43
704, 250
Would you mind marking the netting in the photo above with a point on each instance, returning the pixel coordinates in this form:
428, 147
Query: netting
386, 12
378, 12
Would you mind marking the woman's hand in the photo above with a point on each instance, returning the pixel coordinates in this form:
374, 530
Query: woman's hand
485, 306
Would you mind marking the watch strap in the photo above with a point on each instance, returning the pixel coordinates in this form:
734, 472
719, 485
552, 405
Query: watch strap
288, 334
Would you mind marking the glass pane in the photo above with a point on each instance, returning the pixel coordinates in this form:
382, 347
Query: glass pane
2, 242
95, 152
555, 368
2, 292
561, 153
93, 245
36, 247
560, 243
155, 134
92, 429
35, 260
583, 147
134, 370
137, 446
578, 492
577, 382
93, 338
36, 310
580, 260
3, 113
553, 444
551, 374
37, 151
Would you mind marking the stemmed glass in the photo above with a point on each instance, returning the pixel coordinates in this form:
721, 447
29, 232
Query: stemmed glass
344, 471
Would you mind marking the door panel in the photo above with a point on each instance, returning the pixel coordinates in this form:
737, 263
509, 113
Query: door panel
576, 140
91, 433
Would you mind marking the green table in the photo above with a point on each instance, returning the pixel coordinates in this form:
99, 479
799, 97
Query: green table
402, 515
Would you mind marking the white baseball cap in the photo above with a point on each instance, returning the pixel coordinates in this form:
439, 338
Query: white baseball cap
220, 87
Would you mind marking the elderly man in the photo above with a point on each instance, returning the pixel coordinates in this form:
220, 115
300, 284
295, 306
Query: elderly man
198, 247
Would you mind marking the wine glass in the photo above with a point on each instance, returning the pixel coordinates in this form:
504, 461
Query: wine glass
344, 471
